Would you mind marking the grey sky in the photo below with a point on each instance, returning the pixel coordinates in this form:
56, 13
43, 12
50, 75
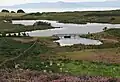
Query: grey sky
13, 2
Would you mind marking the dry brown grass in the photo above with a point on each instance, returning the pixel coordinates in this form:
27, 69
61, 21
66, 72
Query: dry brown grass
94, 55
25, 40
2, 14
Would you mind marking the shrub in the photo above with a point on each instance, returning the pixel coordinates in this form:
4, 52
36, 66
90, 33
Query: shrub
5, 11
20, 11
12, 11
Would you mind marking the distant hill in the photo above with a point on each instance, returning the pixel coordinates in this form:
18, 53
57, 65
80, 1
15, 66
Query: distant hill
66, 4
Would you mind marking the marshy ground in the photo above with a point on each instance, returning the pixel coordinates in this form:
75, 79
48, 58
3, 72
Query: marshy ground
81, 63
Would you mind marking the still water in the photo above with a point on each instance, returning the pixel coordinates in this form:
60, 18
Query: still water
69, 29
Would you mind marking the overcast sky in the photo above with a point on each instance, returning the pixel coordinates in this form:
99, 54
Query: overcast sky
14, 2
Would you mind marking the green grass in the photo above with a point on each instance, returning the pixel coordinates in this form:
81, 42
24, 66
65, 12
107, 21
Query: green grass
6, 27
77, 59
83, 17
112, 35
88, 68
113, 32
2, 14
10, 48
33, 58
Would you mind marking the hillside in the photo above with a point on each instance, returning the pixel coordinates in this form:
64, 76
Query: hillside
66, 4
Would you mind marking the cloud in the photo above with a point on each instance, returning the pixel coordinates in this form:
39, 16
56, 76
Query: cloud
112, 0
14, 2
83, 0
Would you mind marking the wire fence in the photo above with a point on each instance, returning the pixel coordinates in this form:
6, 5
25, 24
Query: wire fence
16, 57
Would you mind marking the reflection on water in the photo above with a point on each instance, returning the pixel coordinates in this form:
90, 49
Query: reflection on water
68, 29
69, 42
24, 22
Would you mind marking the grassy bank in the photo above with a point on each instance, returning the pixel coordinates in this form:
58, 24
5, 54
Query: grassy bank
47, 56
107, 36
42, 54
6, 27
79, 17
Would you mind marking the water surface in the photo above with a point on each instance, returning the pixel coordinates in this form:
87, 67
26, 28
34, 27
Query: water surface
69, 42
66, 28
69, 29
